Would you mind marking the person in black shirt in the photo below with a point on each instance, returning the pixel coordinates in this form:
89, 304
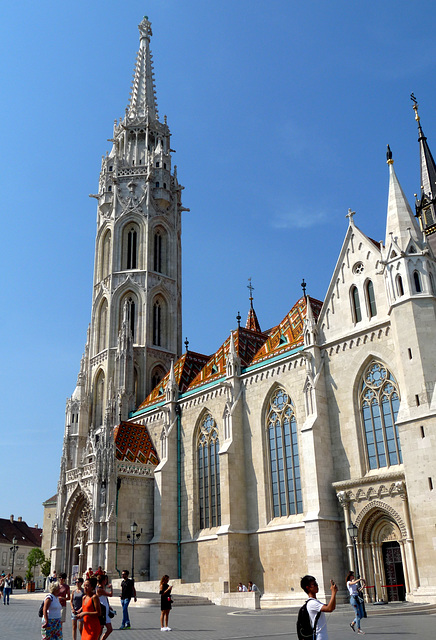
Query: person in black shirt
128, 592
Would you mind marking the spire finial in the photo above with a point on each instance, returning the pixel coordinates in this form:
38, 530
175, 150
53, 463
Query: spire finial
186, 343
350, 215
303, 286
238, 318
415, 106
389, 156
250, 286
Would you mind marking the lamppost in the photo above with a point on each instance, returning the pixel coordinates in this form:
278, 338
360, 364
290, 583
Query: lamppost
14, 550
133, 538
352, 532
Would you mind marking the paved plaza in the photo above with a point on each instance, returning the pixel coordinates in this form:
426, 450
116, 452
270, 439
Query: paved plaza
20, 621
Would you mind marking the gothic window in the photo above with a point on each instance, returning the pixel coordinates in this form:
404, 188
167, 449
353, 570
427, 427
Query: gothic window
98, 399
156, 377
208, 473
400, 289
102, 327
131, 313
105, 255
417, 282
379, 402
356, 311
157, 324
158, 252
372, 307
281, 425
130, 258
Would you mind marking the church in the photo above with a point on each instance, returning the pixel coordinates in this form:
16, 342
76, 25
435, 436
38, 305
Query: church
309, 447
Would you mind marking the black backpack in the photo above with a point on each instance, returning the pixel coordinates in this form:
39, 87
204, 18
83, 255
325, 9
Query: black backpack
305, 631
41, 608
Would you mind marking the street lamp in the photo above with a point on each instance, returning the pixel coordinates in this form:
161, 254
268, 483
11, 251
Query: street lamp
352, 532
14, 550
133, 538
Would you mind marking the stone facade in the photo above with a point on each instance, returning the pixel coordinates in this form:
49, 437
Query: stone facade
253, 462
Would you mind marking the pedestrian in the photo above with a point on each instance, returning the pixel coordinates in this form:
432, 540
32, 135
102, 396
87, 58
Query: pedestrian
7, 588
51, 628
252, 586
315, 607
242, 587
165, 602
356, 600
89, 573
76, 607
104, 591
2, 585
64, 595
53, 577
128, 592
91, 611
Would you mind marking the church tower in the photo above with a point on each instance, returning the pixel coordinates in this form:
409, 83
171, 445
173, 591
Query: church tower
135, 331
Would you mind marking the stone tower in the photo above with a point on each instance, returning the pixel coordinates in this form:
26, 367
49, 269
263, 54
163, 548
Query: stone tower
136, 318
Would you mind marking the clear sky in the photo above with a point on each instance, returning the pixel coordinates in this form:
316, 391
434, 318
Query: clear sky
280, 112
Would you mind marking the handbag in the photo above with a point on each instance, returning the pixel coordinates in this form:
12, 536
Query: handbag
112, 612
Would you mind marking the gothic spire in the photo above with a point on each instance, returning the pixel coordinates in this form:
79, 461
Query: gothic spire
143, 95
252, 321
425, 206
401, 223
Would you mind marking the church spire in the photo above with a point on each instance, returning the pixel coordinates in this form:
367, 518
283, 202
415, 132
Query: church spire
426, 205
401, 223
143, 95
252, 321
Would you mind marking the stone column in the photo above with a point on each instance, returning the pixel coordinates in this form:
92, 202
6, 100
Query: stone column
409, 559
344, 501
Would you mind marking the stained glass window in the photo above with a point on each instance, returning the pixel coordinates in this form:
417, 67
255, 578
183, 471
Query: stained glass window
209, 473
286, 491
379, 403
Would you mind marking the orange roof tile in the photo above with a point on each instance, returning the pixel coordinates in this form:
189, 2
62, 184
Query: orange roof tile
133, 443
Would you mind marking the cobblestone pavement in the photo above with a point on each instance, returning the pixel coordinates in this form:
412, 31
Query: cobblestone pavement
20, 621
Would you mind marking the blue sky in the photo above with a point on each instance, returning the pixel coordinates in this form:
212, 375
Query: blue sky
280, 113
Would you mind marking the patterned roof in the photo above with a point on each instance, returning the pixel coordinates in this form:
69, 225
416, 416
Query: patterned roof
185, 370
288, 334
133, 443
252, 321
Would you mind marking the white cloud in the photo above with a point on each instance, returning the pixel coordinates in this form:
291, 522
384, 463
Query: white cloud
298, 219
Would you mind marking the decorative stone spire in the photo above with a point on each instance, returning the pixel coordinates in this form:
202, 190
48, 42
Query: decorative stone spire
172, 389
143, 95
401, 224
233, 362
426, 205
252, 322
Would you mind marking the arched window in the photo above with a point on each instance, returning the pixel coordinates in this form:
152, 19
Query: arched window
209, 473
281, 424
157, 324
379, 403
128, 313
417, 281
400, 289
158, 252
102, 327
156, 377
357, 314
372, 307
132, 255
98, 399
105, 255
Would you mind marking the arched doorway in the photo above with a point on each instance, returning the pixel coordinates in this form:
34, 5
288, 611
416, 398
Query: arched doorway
77, 526
394, 574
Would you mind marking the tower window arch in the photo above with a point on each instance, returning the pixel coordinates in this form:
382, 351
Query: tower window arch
102, 327
417, 282
370, 297
105, 255
285, 476
379, 404
355, 302
400, 288
99, 390
157, 324
130, 255
128, 306
160, 251
208, 473
156, 376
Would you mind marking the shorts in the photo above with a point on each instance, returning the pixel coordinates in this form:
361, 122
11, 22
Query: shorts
63, 614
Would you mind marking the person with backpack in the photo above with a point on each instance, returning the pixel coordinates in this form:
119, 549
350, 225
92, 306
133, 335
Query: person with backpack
311, 622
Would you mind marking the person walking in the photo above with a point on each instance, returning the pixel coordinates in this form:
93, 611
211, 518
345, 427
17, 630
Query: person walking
356, 600
76, 607
51, 628
7, 588
128, 592
315, 607
165, 602
64, 595
91, 611
104, 591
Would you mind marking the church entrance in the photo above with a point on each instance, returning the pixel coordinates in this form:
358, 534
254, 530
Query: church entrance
394, 574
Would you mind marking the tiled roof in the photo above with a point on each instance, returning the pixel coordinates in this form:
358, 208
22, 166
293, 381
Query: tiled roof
26, 536
185, 370
133, 443
288, 334
52, 500
252, 321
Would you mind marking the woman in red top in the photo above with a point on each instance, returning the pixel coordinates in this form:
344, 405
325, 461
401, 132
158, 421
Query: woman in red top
90, 611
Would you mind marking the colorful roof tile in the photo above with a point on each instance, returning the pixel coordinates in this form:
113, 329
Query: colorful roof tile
133, 443
288, 334
252, 322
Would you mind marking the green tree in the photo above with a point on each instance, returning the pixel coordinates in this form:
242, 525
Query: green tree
35, 558
45, 568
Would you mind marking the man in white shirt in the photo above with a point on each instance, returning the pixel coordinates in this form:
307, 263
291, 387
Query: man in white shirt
310, 586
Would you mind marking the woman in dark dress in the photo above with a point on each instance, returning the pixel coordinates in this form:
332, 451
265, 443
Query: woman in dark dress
165, 603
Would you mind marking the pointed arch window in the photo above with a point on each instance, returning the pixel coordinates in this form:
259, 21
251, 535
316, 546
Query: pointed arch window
208, 473
417, 282
131, 313
355, 301
379, 403
158, 252
156, 377
157, 324
102, 327
99, 399
132, 252
400, 288
105, 255
372, 307
286, 493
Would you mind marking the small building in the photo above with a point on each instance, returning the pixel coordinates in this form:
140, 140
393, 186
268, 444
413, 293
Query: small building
18, 534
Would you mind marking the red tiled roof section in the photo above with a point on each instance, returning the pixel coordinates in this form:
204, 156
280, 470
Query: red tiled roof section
185, 370
247, 343
133, 444
288, 334
26, 536
252, 321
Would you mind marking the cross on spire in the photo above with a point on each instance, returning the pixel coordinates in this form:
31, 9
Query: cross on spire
250, 286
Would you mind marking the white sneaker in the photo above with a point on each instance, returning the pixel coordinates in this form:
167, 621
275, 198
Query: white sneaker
168, 628
164, 628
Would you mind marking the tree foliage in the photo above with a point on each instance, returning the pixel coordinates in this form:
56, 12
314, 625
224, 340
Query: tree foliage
35, 558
